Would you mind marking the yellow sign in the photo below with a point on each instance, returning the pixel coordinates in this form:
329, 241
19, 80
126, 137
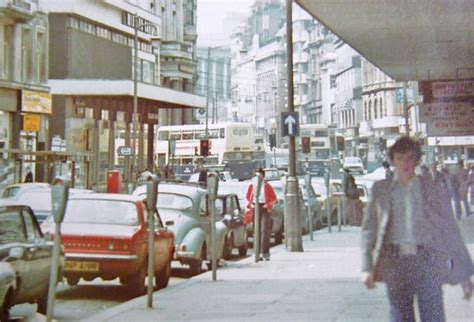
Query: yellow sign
36, 102
31, 122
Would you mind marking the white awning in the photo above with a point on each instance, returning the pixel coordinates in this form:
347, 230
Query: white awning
93, 87
408, 40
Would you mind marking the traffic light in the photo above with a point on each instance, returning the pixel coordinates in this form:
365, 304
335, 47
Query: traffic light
306, 144
340, 143
272, 139
204, 148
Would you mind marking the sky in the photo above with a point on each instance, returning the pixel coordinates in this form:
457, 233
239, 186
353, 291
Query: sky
215, 20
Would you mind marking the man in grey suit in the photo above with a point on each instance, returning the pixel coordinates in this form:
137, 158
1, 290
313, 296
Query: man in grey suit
410, 240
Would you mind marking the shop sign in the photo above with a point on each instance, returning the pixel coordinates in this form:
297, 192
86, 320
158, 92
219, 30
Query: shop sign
31, 122
36, 102
448, 119
453, 89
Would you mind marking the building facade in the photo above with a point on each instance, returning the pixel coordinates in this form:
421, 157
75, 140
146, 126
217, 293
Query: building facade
94, 81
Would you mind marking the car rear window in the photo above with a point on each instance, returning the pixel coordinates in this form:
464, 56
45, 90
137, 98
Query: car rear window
94, 211
37, 200
11, 227
174, 201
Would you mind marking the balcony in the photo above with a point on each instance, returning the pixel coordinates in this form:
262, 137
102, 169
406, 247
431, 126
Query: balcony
18, 9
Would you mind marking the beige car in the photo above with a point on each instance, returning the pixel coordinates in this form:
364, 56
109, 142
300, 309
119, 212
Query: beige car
335, 187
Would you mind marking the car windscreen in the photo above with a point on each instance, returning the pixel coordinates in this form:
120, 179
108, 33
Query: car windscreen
96, 211
319, 188
352, 160
37, 200
10, 192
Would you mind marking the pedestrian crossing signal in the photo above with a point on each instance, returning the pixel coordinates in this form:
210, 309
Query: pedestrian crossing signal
306, 144
204, 148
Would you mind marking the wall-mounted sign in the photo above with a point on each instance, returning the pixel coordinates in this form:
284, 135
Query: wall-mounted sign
453, 89
31, 122
36, 102
448, 119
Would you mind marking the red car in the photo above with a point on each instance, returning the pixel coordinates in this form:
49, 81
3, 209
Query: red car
105, 235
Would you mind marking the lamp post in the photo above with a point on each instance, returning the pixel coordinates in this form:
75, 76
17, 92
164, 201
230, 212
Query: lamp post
136, 26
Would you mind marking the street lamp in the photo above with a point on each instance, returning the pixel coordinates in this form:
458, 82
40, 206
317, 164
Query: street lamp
136, 26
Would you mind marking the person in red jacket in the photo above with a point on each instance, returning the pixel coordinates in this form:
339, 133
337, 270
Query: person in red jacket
266, 200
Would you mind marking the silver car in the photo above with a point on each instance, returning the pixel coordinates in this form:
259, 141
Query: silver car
183, 209
23, 246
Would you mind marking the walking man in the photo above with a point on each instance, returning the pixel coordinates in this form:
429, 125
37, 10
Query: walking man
266, 200
410, 240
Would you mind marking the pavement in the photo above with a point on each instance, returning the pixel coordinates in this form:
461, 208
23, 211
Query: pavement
322, 283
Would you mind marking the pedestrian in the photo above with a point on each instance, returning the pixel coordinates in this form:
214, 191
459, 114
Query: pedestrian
461, 174
388, 171
410, 240
266, 200
203, 177
29, 175
452, 186
352, 203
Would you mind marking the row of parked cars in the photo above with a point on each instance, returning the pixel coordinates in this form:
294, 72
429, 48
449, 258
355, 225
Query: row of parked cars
105, 235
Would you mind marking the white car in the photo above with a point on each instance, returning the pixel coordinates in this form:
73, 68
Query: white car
354, 164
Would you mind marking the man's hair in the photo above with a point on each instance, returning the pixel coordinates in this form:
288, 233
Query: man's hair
260, 170
404, 145
385, 164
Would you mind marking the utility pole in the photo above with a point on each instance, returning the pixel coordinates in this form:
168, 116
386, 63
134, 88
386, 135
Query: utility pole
405, 109
208, 85
293, 239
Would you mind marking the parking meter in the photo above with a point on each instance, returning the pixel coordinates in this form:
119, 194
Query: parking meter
151, 192
256, 231
307, 183
327, 178
212, 186
151, 199
59, 196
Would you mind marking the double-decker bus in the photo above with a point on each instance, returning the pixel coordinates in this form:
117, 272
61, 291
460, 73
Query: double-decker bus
231, 146
320, 154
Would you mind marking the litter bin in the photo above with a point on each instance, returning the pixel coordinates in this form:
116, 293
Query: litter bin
114, 181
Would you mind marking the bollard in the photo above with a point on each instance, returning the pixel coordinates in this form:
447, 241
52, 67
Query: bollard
151, 200
307, 182
339, 196
212, 186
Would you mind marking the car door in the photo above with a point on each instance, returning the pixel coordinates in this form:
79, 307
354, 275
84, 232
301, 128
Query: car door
13, 235
162, 243
39, 254
237, 224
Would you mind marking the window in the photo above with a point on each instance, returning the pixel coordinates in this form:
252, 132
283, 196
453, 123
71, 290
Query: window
41, 57
11, 226
375, 109
31, 231
26, 55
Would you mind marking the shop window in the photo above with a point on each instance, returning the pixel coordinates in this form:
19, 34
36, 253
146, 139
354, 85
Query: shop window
26, 55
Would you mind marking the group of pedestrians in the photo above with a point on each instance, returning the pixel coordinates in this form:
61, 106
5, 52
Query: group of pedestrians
411, 240
455, 185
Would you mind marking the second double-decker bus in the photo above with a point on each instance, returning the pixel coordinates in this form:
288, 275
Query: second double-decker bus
320, 154
231, 147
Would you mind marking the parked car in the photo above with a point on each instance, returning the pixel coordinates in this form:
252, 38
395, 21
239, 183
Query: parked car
7, 289
183, 208
310, 199
37, 195
105, 235
24, 247
229, 212
278, 212
354, 164
272, 174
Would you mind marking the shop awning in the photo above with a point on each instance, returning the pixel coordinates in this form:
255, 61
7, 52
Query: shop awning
408, 40
93, 87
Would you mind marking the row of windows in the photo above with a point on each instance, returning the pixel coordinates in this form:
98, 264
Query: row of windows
375, 112
103, 32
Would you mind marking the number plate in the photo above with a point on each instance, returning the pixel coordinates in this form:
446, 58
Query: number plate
75, 266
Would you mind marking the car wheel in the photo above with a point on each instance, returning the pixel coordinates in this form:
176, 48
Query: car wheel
279, 238
73, 280
42, 302
163, 277
136, 282
5, 308
243, 249
195, 267
227, 249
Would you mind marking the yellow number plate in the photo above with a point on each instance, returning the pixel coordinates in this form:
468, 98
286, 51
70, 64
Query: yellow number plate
75, 266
